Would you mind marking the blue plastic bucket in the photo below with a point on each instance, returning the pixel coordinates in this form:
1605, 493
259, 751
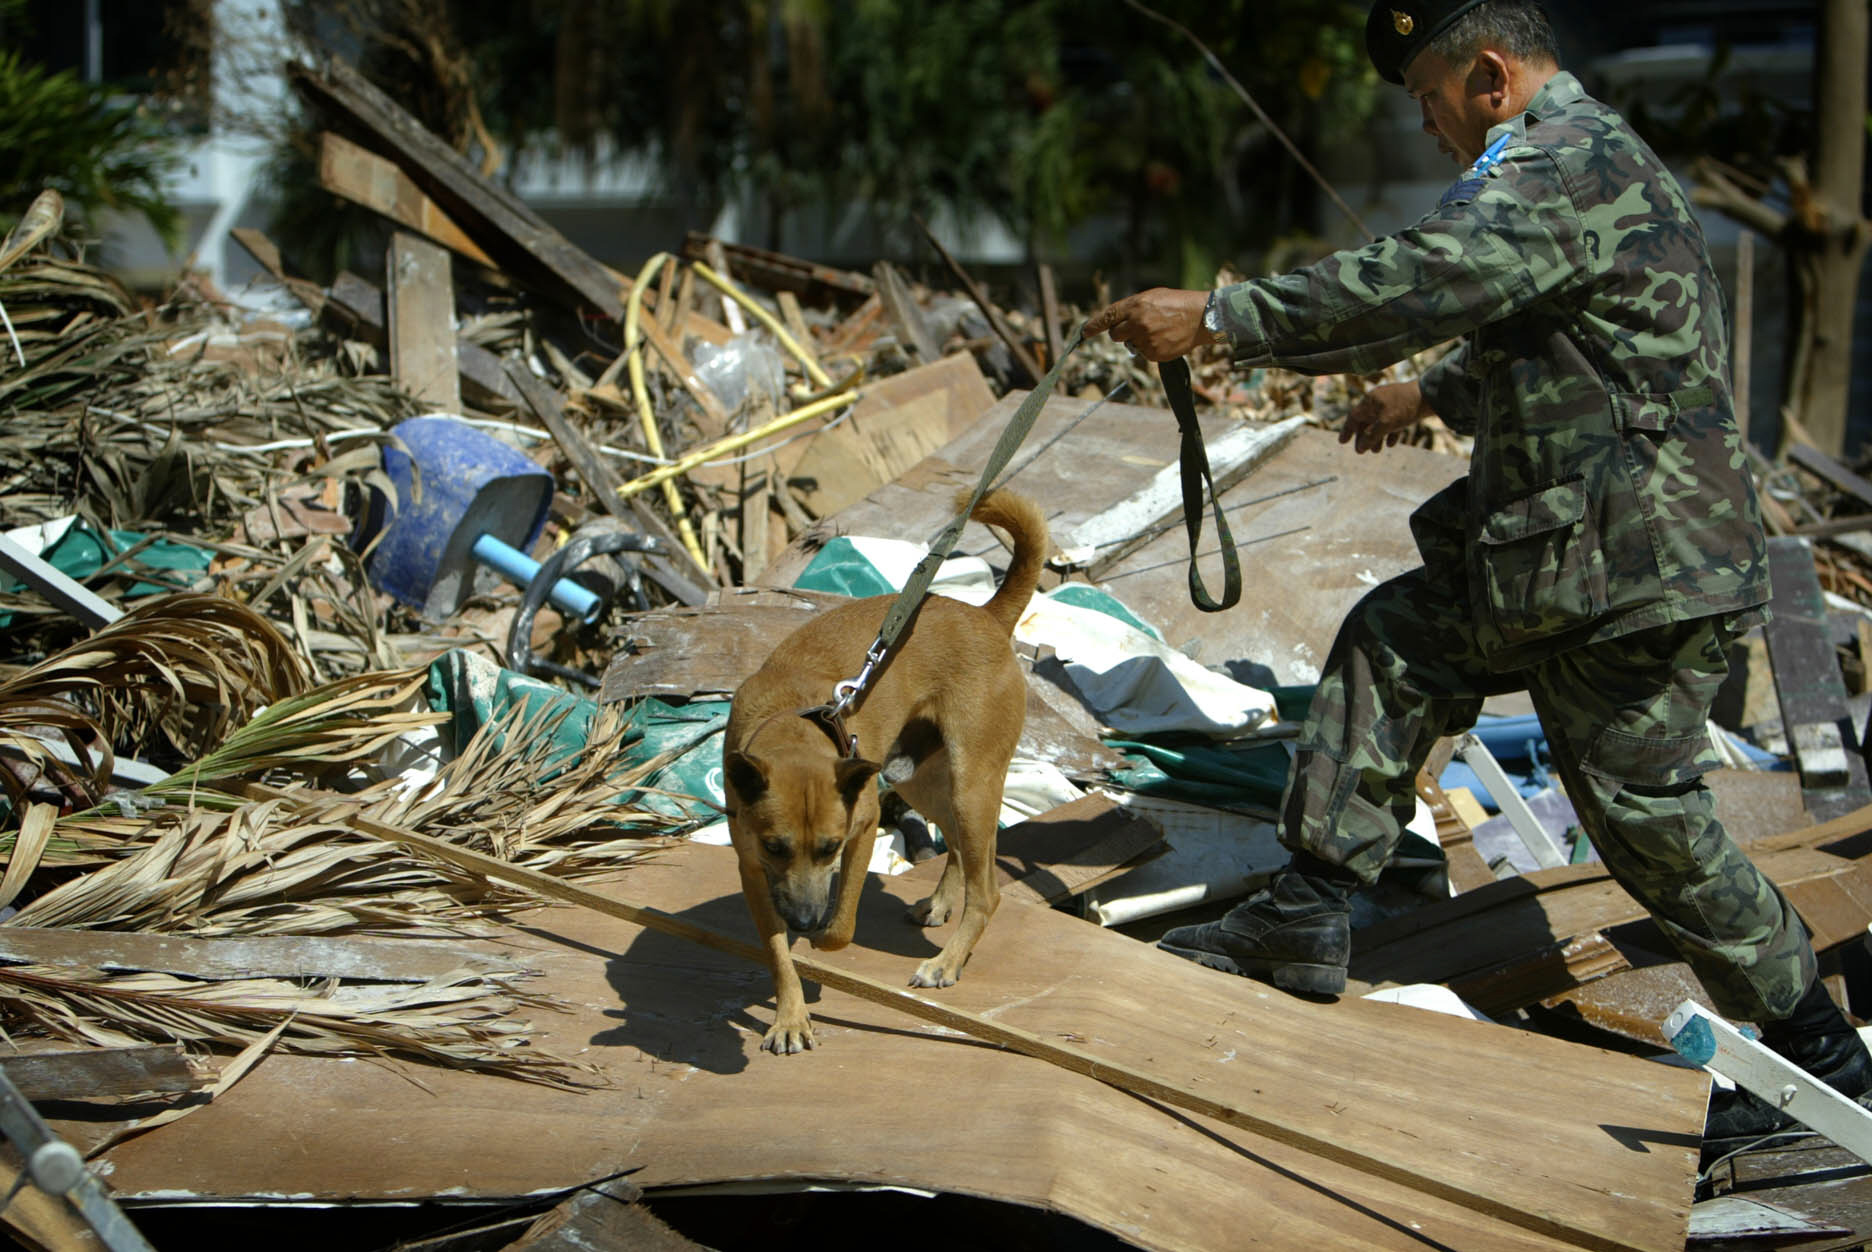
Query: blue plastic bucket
453, 485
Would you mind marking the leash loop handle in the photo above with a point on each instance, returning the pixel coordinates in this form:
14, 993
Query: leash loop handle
1193, 459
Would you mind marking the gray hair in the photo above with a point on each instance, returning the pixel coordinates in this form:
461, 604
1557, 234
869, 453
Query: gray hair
1518, 27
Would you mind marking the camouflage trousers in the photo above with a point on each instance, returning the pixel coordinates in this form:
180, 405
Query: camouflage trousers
1626, 728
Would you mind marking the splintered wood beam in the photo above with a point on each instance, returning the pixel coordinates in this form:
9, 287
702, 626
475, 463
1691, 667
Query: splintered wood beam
995, 320
1050, 314
776, 271
422, 322
1808, 686
87, 1073
518, 240
363, 177
1044, 1048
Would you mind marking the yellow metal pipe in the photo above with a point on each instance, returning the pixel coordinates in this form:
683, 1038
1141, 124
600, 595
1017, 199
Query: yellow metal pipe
768, 320
733, 443
633, 351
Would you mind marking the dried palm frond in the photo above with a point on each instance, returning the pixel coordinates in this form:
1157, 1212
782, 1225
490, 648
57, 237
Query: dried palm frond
312, 732
209, 863
185, 664
465, 1019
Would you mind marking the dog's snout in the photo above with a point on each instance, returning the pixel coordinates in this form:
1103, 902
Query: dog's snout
809, 911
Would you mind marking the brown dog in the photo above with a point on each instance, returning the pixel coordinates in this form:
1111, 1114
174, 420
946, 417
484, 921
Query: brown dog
946, 710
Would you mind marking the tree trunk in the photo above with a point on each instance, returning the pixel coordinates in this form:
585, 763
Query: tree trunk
1827, 233
1823, 236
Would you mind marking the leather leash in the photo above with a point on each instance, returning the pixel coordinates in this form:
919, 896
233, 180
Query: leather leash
1192, 455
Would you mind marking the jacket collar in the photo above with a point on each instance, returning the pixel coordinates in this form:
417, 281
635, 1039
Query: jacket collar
1555, 95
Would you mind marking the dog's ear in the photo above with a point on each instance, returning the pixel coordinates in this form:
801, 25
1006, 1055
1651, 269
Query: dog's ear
746, 774
854, 775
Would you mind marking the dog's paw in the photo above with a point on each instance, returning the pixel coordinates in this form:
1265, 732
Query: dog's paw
785, 1038
930, 912
934, 973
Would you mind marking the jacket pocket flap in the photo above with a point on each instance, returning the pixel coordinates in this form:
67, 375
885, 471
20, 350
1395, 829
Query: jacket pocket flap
1550, 508
1657, 413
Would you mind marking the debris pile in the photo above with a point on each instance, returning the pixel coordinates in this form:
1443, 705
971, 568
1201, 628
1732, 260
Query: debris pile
479, 555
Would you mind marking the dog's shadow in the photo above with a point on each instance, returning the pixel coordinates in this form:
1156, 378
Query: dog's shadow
681, 1003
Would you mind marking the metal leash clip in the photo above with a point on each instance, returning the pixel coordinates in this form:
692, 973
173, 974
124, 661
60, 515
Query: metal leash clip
846, 695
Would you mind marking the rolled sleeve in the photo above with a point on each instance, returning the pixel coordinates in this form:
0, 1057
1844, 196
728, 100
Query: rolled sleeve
1469, 263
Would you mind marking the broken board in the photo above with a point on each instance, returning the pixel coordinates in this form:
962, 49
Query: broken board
1316, 525
1605, 1141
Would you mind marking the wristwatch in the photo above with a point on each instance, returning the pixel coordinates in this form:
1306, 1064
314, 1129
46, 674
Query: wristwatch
1212, 317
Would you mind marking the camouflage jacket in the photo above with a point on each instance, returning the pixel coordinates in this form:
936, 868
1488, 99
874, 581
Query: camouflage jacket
1609, 488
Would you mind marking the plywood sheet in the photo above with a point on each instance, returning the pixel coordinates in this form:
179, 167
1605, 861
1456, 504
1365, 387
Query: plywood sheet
1607, 1141
1316, 524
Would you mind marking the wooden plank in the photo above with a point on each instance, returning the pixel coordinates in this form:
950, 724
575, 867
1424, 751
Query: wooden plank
795, 320
422, 322
1060, 853
855, 327
600, 479
1050, 313
901, 307
706, 649
248, 956
363, 177
358, 306
518, 240
1832, 472
755, 507
1022, 356
778, 272
1551, 930
1314, 1127
1814, 710
1467, 869
92, 1073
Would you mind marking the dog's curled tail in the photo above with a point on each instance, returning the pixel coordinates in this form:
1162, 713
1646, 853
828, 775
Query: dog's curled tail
1022, 519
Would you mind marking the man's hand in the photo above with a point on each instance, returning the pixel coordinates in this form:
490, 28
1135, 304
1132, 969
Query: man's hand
1382, 415
1160, 324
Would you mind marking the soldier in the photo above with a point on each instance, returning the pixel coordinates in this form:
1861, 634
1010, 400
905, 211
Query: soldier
1601, 554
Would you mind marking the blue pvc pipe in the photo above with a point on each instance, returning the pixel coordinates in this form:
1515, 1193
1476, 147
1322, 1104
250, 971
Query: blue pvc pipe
518, 567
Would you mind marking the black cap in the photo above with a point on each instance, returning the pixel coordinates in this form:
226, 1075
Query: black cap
1397, 30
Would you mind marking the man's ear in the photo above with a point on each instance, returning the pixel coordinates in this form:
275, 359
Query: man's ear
747, 775
1491, 77
854, 775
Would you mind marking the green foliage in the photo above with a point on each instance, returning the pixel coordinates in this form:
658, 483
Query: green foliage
61, 132
1055, 116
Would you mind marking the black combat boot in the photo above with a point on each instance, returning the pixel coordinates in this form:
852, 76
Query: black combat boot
1295, 933
1817, 1037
